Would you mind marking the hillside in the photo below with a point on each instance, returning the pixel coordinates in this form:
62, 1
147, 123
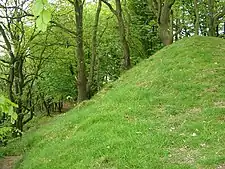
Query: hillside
167, 112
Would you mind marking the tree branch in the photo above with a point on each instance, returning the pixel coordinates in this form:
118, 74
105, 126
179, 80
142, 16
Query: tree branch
4, 61
70, 1
62, 27
110, 7
9, 48
4, 47
5, 79
18, 17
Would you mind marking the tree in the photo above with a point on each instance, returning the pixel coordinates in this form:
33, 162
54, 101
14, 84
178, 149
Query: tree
123, 38
81, 79
162, 11
214, 17
18, 38
196, 17
94, 49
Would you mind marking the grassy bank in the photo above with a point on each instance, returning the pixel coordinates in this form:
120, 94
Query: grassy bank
167, 112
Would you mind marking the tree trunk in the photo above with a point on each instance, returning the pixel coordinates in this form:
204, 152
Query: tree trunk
122, 32
177, 29
47, 107
60, 106
19, 122
19, 85
196, 17
211, 18
165, 34
94, 50
217, 31
224, 28
81, 79
162, 12
123, 39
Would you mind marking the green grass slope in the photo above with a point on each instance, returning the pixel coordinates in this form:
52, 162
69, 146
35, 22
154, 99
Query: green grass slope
167, 112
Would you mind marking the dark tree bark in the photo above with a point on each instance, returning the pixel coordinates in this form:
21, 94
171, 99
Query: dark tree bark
162, 10
47, 104
211, 18
123, 38
81, 69
224, 28
60, 106
196, 17
214, 17
94, 50
122, 32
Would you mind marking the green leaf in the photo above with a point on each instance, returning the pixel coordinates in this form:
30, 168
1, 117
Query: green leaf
10, 111
44, 1
40, 24
2, 100
10, 103
37, 7
46, 16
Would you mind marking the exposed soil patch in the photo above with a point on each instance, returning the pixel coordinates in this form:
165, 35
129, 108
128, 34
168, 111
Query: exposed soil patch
220, 104
9, 161
221, 166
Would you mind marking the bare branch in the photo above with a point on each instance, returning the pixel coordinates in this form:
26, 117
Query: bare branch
110, 7
4, 61
62, 27
9, 48
4, 47
18, 17
5, 79
70, 1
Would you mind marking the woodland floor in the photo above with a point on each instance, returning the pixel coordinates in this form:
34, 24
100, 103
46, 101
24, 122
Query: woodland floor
9, 161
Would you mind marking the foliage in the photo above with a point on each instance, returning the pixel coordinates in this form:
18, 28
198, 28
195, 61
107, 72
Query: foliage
41, 10
168, 116
6, 110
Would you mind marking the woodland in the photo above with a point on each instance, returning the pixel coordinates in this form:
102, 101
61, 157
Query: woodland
55, 54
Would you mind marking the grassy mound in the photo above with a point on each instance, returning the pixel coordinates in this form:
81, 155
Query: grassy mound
167, 112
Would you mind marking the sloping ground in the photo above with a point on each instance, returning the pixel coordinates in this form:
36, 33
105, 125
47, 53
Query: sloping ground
167, 112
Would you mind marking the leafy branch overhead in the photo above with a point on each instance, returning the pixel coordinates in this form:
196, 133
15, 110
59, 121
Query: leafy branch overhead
41, 10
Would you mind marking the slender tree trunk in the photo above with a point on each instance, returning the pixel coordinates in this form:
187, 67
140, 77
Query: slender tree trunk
211, 18
81, 79
224, 28
94, 50
47, 107
123, 38
177, 34
122, 32
217, 31
20, 94
196, 17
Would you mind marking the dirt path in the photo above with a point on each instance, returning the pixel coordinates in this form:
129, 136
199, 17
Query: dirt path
9, 161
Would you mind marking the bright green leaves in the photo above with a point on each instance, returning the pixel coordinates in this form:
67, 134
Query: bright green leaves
6, 106
46, 16
38, 7
43, 20
42, 11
